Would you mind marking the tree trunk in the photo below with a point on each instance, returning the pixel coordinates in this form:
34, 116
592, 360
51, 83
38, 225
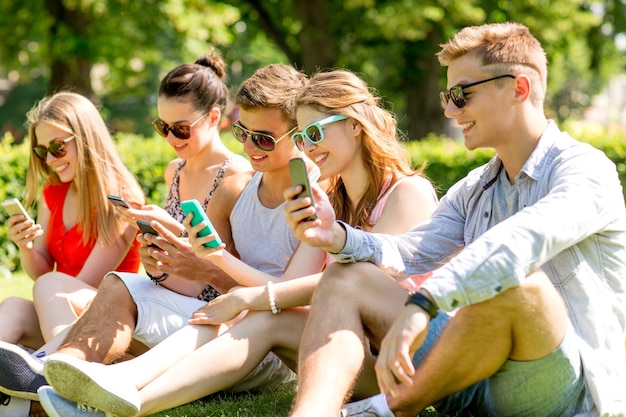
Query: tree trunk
315, 38
421, 84
69, 71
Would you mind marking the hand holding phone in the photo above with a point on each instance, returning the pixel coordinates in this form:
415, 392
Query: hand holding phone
118, 201
145, 227
193, 206
14, 207
300, 176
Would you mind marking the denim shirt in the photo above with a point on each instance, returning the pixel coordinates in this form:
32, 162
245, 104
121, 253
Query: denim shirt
571, 224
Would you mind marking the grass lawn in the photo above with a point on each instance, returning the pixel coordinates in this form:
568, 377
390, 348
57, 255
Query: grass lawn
18, 284
273, 404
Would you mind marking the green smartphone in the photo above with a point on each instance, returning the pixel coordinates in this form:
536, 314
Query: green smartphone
300, 176
193, 206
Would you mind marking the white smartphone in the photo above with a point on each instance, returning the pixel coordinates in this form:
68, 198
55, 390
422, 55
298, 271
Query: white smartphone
13, 207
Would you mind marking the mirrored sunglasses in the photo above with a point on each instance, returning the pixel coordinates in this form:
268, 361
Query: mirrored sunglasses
57, 148
262, 141
314, 132
456, 93
179, 131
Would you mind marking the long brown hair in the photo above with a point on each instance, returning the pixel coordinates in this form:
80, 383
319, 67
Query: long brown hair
385, 158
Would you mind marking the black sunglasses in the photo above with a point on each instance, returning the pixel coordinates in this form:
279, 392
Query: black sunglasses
262, 141
56, 148
456, 93
179, 131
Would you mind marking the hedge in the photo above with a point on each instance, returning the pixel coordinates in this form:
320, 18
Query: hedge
446, 162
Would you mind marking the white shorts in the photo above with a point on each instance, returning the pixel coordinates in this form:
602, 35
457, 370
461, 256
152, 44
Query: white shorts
160, 312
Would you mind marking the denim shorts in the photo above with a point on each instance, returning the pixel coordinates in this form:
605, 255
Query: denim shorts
551, 386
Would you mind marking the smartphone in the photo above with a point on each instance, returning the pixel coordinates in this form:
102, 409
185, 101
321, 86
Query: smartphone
118, 201
300, 176
145, 227
13, 207
193, 206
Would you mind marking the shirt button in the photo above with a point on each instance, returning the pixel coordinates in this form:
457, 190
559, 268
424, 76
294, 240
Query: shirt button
486, 214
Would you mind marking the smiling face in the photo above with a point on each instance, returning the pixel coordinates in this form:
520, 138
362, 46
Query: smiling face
173, 111
271, 122
486, 117
66, 166
340, 148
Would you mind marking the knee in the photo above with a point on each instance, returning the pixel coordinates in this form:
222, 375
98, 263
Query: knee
16, 307
112, 287
345, 278
48, 284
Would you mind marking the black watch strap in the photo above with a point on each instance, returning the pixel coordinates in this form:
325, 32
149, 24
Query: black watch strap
423, 302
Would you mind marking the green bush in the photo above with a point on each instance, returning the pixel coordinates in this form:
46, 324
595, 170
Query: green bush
446, 160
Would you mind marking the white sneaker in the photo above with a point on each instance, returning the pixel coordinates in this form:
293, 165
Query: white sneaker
13, 406
375, 406
92, 384
57, 406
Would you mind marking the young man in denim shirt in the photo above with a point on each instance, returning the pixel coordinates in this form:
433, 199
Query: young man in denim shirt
525, 313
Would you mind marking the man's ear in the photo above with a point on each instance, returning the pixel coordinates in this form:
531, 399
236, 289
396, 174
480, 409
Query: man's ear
522, 88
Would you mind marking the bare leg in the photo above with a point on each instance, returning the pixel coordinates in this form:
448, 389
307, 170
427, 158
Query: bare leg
226, 360
332, 348
104, 331
19, 323
59, 300
147, 367
523, 323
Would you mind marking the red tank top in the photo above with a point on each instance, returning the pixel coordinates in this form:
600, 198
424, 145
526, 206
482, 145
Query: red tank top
66, 246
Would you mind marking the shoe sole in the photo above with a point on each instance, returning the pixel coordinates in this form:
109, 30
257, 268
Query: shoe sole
72, 383
23, 365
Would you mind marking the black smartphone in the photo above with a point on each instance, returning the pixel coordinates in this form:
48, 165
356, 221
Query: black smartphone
300, 176
145, 227
118, 201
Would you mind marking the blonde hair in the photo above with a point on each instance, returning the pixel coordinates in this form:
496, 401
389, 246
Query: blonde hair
343, 92
274, 86
99, 169
505, 48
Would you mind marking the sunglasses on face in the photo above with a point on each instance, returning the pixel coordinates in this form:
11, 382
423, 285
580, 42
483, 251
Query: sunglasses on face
262, 141
456, 93
179, 131
314, 132
56, 148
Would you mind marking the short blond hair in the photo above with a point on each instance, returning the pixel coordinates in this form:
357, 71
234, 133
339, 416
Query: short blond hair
504, 48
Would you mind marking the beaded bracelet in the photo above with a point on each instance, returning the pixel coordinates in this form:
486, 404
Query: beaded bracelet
270, 295
423, 302
158, 279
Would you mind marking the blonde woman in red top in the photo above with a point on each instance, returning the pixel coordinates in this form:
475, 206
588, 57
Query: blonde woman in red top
76, 236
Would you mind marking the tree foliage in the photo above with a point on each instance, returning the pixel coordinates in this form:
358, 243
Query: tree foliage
115, 51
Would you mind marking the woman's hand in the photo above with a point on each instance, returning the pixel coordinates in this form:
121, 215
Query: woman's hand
322, 232
149, 212
197, 242
221, 309
22, 231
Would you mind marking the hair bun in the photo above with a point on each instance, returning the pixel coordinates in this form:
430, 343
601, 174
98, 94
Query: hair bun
216, 63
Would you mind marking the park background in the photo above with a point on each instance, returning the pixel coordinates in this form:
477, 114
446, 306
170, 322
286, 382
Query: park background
116, 51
